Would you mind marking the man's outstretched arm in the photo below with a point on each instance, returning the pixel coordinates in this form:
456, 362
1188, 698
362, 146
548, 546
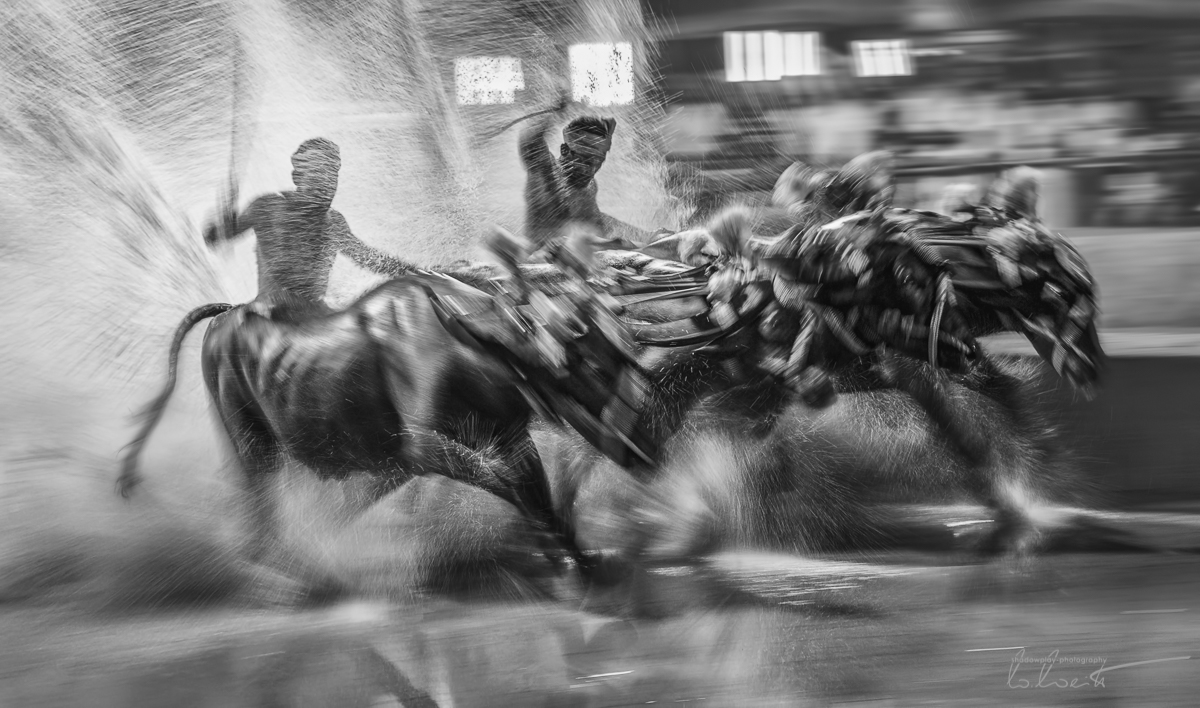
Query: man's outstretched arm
364, 255
535, 154
546, 209
228, 224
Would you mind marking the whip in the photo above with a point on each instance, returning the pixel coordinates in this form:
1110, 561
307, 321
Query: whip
227, 205
497, 131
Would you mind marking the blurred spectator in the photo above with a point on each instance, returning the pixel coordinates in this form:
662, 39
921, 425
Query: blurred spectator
1113, 133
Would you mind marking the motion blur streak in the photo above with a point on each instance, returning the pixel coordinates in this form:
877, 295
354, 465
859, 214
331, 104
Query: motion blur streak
122, 121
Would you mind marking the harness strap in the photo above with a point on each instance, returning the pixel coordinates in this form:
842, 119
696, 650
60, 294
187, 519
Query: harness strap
935, 323
669, 295
698, 330
636, 284
610, 422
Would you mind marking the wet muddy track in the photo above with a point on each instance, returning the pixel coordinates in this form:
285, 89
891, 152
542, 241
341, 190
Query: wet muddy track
744, 628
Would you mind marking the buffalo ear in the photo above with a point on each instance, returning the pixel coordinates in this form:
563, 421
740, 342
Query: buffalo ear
1016, 191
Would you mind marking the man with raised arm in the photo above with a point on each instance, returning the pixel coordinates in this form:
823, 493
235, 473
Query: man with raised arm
562, 190
299, 234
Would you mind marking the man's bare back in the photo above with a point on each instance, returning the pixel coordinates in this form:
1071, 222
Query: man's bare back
299, 235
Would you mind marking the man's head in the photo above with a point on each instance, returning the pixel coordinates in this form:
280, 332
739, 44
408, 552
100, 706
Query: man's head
586, 142
315, 166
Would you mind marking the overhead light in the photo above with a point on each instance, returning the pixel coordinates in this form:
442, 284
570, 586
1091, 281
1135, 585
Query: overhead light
801, 53
735, 56
882, 57
935, 52
770, 56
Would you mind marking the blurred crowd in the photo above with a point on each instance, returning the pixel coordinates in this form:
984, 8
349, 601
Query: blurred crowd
937, 125
1120, 147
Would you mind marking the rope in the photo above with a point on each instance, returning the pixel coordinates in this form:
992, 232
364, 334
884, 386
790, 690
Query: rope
935, 324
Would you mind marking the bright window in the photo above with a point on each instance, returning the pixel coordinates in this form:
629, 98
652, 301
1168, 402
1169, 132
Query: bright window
770, 56
602, 74
882, 57
487, 80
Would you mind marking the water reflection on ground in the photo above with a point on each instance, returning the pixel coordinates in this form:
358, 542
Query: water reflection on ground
745, 629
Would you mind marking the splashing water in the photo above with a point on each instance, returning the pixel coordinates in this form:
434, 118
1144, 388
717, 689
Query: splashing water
123, 120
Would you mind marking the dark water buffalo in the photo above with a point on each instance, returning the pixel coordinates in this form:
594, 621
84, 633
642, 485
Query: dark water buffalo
386, 388
744, 470
380, 387
899, 425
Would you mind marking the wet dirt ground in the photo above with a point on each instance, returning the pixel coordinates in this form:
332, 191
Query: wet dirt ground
741, 628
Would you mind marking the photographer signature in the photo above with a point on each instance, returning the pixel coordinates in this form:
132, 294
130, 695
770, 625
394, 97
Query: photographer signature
1093, 680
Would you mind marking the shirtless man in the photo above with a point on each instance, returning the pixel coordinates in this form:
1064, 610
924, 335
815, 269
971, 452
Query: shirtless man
299, 235
563, 190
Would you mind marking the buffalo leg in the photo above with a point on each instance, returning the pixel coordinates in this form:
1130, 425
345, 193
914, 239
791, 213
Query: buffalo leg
288, 570
532, 486
258, 459
515, 475
987, 422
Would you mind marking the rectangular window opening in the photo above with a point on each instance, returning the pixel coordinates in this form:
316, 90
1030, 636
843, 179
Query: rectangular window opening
602, 74
770, 56
882, 57
483, 81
